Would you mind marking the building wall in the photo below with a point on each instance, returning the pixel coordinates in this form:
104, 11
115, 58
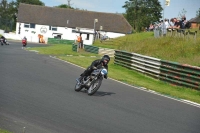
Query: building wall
194, 25
2, 32
114, 35
66, 33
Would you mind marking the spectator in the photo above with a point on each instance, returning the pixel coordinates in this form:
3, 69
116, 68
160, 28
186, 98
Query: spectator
151, 27
188, 24
163, 28
167, 25
80, 41
176, 24
183, 22
171, 23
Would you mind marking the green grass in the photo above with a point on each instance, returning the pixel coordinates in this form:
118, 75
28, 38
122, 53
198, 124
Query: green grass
4, 131
61, 49
183, 51
129, 76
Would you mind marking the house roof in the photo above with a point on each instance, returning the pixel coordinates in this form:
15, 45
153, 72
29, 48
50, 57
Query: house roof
195, 20
76, 18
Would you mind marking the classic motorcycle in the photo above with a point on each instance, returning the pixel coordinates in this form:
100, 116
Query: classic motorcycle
92, 82
24, 42
3, 41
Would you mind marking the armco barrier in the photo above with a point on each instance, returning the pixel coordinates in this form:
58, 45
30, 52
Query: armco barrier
144, 64
96, 50
74, 47
183, 75
91, 49
172, 72
59, 41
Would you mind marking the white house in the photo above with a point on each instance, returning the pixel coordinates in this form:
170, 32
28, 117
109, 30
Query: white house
51, 22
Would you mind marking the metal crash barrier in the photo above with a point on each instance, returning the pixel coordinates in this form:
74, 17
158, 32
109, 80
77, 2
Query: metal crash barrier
172, 72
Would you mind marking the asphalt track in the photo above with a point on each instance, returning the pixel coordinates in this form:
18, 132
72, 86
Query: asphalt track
37, 96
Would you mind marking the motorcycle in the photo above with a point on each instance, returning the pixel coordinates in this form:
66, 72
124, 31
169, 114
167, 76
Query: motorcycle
24, 42
92, 82
4, 41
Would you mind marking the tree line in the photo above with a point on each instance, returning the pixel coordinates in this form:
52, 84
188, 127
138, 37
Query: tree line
141, 13
8, 12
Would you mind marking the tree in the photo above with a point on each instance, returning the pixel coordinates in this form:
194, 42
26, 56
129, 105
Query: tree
8, 11
182, 13
6, 15
32, 2
70, 7
140, 13
4, 9
198, 13
64, 6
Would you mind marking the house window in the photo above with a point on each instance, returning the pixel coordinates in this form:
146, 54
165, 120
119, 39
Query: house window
52, 28
32, 25
26, 25
29, 25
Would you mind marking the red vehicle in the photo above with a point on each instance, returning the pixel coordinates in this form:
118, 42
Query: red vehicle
24, 42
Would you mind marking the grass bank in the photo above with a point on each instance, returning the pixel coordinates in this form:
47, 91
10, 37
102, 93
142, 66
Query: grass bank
129, 76
181, 50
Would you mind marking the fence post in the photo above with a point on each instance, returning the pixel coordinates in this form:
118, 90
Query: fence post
195, 36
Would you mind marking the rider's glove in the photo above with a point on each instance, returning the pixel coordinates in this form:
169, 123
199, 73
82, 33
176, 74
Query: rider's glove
94, 68
105, 76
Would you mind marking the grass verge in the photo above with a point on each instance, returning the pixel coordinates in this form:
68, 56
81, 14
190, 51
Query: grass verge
4, 131
120, 73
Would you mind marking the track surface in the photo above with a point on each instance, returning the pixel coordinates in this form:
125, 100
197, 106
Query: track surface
37, 92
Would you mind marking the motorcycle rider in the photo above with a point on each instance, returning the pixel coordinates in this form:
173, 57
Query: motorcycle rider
3, 40
96, 64
24, 42
2, 37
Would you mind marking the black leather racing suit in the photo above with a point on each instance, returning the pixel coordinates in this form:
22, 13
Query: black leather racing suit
2, 37
98, 64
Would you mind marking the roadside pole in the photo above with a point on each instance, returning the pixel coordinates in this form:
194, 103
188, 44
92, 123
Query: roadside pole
166, 3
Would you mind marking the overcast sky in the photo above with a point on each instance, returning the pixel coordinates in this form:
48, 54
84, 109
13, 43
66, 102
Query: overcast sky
113, 6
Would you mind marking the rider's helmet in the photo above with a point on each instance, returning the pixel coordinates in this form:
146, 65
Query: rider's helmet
105, 59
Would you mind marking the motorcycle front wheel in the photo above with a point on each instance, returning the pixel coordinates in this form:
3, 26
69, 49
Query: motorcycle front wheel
95, 86
78, 87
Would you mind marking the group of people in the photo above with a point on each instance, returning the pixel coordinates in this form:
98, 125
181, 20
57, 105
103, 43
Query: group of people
173, 23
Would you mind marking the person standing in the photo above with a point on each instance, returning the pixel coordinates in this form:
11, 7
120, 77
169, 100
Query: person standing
80, 41
163, 28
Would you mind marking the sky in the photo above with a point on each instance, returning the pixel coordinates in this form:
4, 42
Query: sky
115, 6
